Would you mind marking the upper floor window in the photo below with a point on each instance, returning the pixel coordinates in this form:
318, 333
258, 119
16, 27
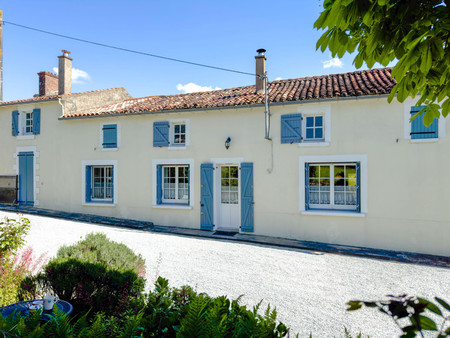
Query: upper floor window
306, 129
419, 130
174, 133
314, 127
109, 140
26, 122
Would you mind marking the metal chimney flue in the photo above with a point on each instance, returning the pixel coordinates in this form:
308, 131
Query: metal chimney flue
64, 73
260, 70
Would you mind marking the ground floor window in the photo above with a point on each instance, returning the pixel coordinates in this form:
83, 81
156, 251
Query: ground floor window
99, 183
174, 184
332, 186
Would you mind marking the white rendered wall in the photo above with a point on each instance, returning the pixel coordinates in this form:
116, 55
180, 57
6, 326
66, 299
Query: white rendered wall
407, 183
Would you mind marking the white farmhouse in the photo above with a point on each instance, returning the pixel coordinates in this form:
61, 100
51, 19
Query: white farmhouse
340, 165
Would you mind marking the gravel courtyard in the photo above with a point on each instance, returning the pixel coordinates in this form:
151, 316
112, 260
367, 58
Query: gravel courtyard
309, 289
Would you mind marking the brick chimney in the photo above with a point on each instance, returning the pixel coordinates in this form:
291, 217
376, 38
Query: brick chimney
260, 70
48, 83
65, 73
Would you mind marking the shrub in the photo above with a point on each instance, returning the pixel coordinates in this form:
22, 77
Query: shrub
97, 274
96, 247
13, 270
12, 234
93, 285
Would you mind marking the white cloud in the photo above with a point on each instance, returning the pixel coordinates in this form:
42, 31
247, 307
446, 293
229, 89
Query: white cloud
78, 75
332, 63
279, 78
192, 87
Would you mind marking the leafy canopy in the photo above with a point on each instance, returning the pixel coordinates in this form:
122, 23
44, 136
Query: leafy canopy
414, 32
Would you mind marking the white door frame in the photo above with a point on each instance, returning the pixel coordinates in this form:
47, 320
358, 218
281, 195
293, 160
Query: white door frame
217, 162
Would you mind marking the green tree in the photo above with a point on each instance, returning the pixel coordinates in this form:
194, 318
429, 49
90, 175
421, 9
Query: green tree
414, 32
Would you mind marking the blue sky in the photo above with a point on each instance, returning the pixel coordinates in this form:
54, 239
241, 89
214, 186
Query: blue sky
219, 33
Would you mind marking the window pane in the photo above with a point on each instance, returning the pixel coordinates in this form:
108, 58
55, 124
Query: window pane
350, 171
313, 182
314, 171
234, 182
310, 133
324, 182
225, 182
177, 128
183, 128
234, 172
310, 121
324, 171
339, 171
351, 182
319, 133
319, 121
225, 172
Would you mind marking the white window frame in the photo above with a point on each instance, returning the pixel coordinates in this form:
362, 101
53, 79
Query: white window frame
176, 200
334, 159
168, 162
22, 124
101, 199
407, 125
119, 138
99, 202
322, 109
304, 128
172, 144
332, 205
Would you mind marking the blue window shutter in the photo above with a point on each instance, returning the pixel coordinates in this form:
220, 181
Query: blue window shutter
247, 210
418, 129
291, 128
15, 123
88, 183
110, 136
36, 121
206, 196
161, 134
307, 186
159, 184
358, 187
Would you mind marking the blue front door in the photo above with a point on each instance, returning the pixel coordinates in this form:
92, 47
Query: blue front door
26, 194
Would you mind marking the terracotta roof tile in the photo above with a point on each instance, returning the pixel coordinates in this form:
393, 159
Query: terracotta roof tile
364, 82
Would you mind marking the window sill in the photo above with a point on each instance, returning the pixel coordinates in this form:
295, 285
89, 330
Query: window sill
98, 204
177, 147
110, 149
332, 213
172, 206
25, 137
424, 140
314, 144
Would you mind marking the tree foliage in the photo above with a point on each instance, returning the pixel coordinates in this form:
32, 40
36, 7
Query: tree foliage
414, 32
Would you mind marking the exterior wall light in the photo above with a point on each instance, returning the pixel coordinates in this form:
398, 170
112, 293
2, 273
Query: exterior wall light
227, 142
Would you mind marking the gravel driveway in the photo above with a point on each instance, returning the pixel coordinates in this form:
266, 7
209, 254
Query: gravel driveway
309, 289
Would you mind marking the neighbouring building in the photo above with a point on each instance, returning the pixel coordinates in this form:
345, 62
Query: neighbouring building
341, 165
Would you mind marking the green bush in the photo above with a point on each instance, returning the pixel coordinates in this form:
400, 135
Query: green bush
96, 247
96, 274
93, 286
12, 235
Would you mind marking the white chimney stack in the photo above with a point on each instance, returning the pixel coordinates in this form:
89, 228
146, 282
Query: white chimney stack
260, 70
64, 73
